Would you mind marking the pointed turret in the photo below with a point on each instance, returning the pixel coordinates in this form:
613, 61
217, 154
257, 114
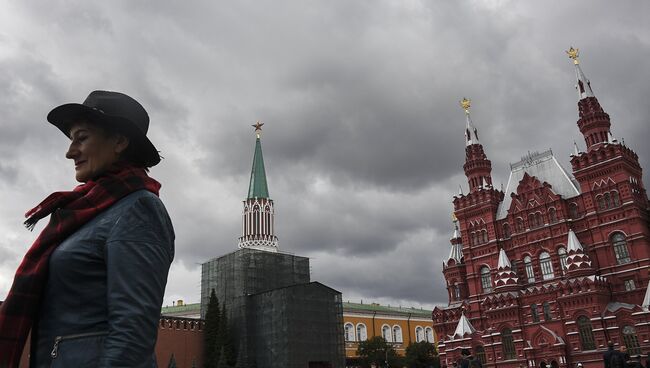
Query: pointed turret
257, 187
576, 151
478, 168
593, 121
646, 299
583, 86
471, 133
506, 277
578, 262
456, 251
503, 260
464, 327
258, 224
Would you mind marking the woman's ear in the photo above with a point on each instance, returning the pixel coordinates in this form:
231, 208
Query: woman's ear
121, 143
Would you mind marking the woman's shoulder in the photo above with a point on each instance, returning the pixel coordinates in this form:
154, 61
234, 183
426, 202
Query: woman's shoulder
141, 210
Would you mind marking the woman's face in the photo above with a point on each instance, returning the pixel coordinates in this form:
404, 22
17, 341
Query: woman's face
93, 150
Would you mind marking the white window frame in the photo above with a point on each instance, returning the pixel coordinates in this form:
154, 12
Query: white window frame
349, 334
419, 334
546, 266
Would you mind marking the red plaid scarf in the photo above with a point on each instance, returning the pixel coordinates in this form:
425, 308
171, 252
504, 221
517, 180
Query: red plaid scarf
69, 210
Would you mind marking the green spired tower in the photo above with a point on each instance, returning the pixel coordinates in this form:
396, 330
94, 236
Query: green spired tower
258, 224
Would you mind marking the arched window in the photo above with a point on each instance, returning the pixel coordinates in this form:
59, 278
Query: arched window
607, 200
256, 219
552, 215
561, 252
485, 236
428, 333
530, 273
506, 230
546, 266
362, 334
419, 334
615, 199
507, 344
519, 223
456, 289
620, 248
547, 311
631, 341
601, 202
387, 333
535, 220
397, 334
349, 332
534, 314
486, 279
480, 354
474, 239
573, 210
586, 333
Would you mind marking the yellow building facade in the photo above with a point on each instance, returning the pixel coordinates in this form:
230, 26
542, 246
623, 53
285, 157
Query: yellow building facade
397, 325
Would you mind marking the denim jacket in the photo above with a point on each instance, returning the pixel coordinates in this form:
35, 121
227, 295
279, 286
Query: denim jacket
101, 304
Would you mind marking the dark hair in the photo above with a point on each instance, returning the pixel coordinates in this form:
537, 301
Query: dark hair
132, 152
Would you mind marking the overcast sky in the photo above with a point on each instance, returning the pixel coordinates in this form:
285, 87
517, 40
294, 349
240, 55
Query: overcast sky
363, 137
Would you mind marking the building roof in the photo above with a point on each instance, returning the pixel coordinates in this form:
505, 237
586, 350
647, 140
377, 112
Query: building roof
258, 187
545, 168
195, 308
374, 307
181, 310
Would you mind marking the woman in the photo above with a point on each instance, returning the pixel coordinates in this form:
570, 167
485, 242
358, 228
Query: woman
91, 286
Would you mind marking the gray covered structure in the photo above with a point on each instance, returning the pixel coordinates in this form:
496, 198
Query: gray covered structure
278, 316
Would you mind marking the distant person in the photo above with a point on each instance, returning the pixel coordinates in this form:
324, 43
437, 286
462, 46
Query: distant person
468, 361
91, 286
617, 359
626, 355
608, 354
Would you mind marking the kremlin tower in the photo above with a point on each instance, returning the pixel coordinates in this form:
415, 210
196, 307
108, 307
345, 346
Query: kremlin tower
547, 271
257, 218
278, 316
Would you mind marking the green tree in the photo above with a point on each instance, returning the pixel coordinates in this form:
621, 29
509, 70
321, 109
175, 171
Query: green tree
224, 339
212, 347
421, 354
377, 351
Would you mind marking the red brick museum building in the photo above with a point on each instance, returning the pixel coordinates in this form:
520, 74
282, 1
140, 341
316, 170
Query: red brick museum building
545, 272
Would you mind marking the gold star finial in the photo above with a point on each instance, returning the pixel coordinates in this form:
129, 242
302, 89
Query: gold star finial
465, 104
258, 128
573, 54
453, 217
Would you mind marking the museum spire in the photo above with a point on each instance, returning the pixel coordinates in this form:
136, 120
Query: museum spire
478, 168
593, 121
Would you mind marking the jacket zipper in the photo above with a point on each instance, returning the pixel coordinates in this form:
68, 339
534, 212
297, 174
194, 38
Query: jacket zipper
58, 339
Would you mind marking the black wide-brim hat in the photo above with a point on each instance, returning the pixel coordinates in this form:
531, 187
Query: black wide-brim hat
116, 112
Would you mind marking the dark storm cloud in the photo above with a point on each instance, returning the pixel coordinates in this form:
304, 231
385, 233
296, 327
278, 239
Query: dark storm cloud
363, 141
